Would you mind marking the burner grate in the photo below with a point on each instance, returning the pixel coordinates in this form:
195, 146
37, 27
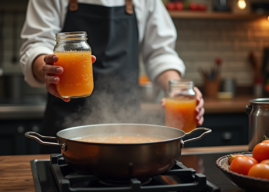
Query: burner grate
179, 178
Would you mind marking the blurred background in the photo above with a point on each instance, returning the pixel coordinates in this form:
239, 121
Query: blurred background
223, 43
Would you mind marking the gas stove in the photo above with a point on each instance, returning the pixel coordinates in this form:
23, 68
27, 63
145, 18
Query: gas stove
55, 175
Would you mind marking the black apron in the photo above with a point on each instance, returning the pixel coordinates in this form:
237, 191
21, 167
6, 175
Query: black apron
113, 37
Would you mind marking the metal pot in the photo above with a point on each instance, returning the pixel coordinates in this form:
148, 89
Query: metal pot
120, 161
149, 92
258, 112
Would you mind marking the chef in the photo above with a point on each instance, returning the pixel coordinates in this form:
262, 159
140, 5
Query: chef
118, 30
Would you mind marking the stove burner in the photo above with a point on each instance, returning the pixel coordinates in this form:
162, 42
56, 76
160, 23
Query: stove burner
123, 183
65, 179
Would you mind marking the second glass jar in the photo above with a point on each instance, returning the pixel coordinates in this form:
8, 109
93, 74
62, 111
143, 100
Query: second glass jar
180, 104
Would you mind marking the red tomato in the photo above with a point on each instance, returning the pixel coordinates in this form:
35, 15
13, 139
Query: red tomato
242, 164
170, 6
265, 162
231, 158
259, 171
193, 6
265, 141
202, 7
179, 6
261, 151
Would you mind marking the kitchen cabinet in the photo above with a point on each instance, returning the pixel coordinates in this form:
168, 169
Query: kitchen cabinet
12, 139
227, 129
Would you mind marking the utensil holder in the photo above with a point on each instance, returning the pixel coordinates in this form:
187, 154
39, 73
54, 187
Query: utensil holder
211, 87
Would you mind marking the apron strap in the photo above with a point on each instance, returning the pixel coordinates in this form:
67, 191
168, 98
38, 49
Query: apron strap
129, 7
73, 5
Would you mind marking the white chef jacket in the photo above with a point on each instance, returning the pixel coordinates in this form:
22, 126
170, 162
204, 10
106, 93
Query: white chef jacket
157, 34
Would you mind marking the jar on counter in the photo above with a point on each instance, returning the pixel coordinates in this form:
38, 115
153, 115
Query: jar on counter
180, 104
74, 55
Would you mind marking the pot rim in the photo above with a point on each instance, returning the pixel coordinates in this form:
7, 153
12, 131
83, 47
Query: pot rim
259, 101
121, 144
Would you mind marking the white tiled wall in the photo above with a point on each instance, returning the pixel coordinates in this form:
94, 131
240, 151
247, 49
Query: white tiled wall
201, 41
9, 66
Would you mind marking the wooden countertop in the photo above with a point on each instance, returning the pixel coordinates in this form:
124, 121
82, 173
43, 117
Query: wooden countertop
235, 105
16, 174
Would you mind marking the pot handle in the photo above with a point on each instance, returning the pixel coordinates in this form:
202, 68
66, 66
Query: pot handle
36, 136
207, 131
248, 109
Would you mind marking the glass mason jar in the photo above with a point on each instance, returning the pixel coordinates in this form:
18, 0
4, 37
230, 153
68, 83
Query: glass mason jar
74, 55
180, 104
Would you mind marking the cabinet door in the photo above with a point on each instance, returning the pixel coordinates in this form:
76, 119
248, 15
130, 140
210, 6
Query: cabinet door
227, 129
12, 140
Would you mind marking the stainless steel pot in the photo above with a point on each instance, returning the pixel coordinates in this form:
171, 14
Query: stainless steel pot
258, 112
120, 161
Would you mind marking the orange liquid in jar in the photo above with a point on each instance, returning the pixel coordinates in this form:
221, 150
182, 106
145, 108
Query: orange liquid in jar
77, 79
180, 113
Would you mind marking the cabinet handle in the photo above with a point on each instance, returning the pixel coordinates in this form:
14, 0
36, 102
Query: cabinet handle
227, 136
35, 128
20, 129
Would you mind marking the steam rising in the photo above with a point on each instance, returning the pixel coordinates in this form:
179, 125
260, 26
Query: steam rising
112, 102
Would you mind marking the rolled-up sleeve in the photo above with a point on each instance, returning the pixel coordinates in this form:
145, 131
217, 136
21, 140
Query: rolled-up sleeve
42, 22
159, 42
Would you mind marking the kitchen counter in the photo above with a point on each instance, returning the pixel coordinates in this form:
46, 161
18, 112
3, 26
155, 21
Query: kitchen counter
31, 107
235, 105
36, 110
16, 175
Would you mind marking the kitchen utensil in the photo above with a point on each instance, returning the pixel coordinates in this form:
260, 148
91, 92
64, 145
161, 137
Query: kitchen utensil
211, 87
203, 73
254, 64
218, 63
228, 84
214, 71
242, 181
258, 76
120, 161
258, 111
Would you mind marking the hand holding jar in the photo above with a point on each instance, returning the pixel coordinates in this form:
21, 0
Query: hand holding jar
183, 106
68, 72
52, 73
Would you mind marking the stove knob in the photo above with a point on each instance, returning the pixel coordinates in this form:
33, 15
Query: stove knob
227, 136
35, 128
20, 129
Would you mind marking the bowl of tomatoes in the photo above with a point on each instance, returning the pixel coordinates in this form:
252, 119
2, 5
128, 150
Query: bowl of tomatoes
249, 171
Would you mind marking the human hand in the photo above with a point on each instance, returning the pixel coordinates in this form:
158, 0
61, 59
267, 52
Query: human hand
199, 110
51, 71
199, 107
